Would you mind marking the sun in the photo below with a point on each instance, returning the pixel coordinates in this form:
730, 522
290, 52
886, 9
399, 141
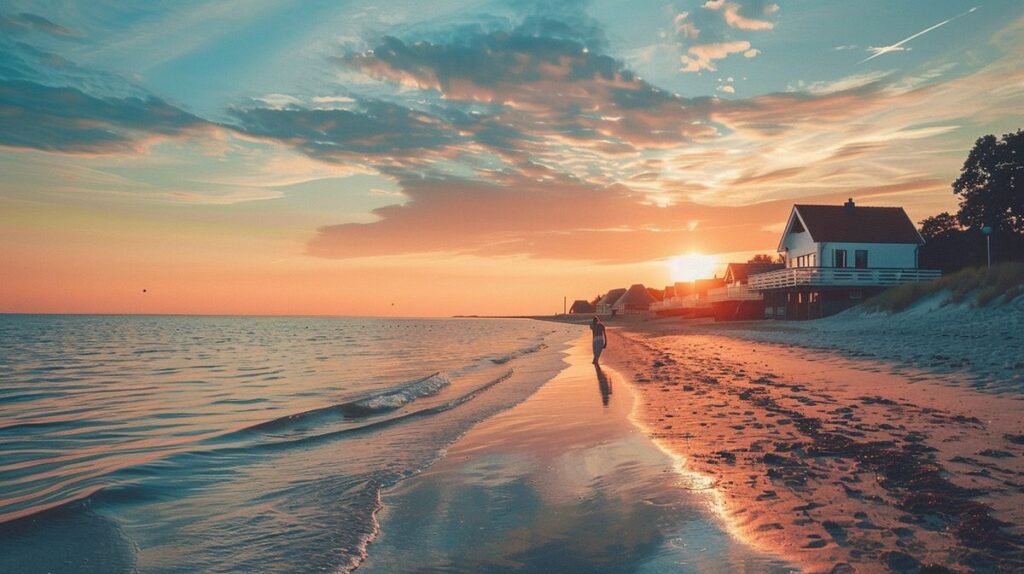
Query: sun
693, 266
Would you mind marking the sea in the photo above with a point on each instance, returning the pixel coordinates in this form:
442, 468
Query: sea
236, 444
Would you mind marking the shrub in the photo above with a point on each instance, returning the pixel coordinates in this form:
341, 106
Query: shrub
1003, 282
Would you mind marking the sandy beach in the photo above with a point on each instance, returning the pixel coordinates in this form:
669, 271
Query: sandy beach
836, 462
564, 482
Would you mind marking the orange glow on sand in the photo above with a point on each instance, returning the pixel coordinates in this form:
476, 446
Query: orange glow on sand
692, 267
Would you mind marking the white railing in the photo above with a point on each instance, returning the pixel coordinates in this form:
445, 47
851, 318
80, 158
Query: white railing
685, 302
733, 293
839, 277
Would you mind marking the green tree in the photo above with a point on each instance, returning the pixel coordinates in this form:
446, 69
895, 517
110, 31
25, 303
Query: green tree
939, 225
991, 184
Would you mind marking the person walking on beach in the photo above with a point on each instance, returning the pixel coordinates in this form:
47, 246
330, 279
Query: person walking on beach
600, 338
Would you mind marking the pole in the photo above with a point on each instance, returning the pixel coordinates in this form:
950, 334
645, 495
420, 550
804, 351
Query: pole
987, 230
564, 312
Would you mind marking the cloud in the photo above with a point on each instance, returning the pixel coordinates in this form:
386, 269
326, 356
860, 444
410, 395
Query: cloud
565, 221
538, 92
735, 20
378, 130
703, 56
49, 103
731, 13
685, 26
34, 116
717, 23
25, 21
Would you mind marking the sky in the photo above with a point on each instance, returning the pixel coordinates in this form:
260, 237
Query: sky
404, 158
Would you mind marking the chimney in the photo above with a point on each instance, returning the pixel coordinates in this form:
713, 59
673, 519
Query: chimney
849, 205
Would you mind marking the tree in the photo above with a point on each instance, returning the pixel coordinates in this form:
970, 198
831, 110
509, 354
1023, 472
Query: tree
761, 258
991, 184
939, 225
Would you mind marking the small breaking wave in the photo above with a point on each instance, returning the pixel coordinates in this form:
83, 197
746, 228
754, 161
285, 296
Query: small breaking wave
502, 359
377, 403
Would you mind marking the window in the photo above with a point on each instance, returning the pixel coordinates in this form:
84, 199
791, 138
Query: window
860, 259
839, 258
812, 260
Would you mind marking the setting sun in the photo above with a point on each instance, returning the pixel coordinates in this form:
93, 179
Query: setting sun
691, 267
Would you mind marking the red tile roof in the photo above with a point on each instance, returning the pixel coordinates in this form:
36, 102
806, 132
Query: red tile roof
738, 272
857, 224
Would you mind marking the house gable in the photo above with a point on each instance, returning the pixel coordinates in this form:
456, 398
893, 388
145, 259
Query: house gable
794, 226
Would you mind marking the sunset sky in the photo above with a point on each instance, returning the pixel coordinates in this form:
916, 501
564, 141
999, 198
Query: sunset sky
436, 158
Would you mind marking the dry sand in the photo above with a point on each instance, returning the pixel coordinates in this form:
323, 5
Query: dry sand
836, 463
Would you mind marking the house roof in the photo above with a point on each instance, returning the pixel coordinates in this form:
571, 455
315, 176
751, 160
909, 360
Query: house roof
856, 224
683, 288
611, 297
739, 272
636, 297
702, 286
581, 307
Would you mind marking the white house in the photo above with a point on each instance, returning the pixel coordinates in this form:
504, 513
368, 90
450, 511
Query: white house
836, 255
735, 301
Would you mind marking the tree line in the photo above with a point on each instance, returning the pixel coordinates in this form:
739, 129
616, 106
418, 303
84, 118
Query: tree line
991, 192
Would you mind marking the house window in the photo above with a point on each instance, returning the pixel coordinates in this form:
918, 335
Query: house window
839, 258
812, 260
860, 259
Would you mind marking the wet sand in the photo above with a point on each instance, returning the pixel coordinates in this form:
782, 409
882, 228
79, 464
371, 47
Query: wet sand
564, 482
838, 464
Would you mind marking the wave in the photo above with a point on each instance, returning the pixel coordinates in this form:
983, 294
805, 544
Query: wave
374, 404
370, 426
502, 359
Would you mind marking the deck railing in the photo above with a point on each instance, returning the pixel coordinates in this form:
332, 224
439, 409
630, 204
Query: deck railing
685, 302
733, 293
839, 277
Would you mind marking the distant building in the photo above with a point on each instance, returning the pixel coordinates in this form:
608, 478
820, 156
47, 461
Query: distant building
636, 300
689, 299
581, 307
837, 255
735, 301
604, 306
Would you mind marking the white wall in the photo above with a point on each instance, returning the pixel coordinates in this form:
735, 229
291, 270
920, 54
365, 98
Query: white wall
880, 255
798, 244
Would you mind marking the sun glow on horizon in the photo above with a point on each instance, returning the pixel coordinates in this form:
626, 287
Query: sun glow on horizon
692, 267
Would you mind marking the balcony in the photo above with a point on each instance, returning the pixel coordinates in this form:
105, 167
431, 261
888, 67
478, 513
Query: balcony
839, 277
733, 293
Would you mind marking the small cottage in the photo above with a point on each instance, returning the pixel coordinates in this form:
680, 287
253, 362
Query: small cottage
836, 255
604, 306
735, 301
581, 307
636, 300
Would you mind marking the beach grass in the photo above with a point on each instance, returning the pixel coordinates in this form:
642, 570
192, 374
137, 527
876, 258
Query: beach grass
1002, 282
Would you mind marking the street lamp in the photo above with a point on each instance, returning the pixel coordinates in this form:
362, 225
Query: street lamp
988, 244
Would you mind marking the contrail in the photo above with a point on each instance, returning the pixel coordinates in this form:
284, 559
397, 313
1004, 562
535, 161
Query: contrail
896, 47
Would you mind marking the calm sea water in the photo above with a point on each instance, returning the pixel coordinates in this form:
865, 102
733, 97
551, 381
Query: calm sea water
226, 444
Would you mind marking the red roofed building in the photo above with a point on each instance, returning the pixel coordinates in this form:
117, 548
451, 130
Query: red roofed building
735, 301
838, 254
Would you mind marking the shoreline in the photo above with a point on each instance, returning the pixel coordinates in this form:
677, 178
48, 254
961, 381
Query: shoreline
837, 463
565, 481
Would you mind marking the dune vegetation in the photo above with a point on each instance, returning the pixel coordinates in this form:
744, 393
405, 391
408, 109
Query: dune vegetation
981, 286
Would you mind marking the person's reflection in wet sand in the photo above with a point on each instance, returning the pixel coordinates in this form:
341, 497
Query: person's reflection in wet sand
605, 384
